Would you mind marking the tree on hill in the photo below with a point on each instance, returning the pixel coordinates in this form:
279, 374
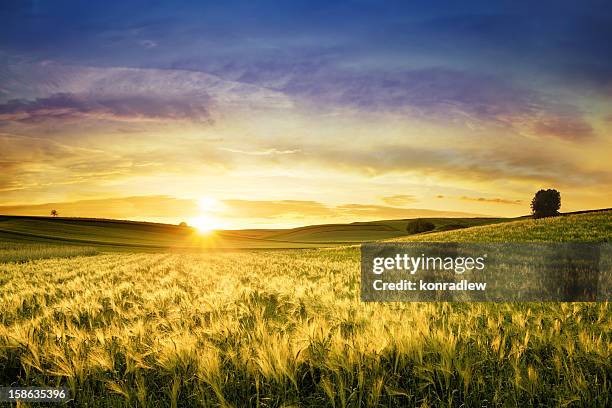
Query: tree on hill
183, 224
418, 226
546, 203
54, 213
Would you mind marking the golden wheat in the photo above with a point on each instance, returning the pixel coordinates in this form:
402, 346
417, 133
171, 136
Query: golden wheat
284, 328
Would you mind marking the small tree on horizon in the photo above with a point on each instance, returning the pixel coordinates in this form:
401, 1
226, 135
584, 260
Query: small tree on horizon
54, 213
546, 203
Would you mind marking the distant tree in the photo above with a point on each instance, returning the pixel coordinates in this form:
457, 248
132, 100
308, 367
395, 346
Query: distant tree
546, 203
418, 226
183, 224
54, 213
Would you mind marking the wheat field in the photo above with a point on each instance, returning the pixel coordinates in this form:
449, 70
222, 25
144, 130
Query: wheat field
284, 328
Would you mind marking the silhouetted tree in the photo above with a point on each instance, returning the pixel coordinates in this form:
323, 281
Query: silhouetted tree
54, 213
546, 203
183, 224
417, 226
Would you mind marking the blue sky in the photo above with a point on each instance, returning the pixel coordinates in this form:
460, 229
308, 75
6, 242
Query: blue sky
559, 39
462, 106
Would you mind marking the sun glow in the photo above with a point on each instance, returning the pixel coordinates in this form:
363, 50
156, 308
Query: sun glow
208, 204
206, 222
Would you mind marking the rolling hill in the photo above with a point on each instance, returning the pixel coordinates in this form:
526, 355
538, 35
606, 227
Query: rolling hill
119, 233
583, 226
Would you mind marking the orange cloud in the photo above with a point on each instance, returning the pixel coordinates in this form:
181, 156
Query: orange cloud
305, 209
120, 207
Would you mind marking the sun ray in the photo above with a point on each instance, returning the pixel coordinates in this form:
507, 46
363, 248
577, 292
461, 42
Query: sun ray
206, 222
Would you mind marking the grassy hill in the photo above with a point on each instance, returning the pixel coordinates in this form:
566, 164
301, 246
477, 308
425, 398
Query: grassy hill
580, 227
370, 231
101, 235
118, 233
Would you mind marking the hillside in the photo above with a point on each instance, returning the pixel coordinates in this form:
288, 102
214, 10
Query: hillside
118, 233
579, 227
124, 234
587, 226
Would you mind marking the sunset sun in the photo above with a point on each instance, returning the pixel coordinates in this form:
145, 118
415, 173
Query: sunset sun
206, 221
205, 224
306, 203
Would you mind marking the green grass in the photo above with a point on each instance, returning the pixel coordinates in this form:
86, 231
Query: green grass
22, 252
587, 227
272, 328
113, 233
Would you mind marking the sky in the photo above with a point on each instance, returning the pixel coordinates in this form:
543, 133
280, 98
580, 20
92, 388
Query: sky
255, 114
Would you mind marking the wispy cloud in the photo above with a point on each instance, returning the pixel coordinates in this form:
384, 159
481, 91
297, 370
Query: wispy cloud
148, 43
399, 199
501, 162
35, 92
263, 152
492, 200
365, 211
571, 128
117, 207
296, 209
45, 163
65, 106
164, 93
445, 94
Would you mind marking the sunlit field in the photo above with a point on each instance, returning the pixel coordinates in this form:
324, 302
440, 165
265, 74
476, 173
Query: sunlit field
202, 201
271, 328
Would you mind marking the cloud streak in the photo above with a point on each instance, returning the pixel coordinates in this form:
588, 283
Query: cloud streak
492, 200
445, 94
398, 199
119, 208
51, 88
64, 106
296, 209
263, 152
500, 163
162, 206
130, 94
49, 164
